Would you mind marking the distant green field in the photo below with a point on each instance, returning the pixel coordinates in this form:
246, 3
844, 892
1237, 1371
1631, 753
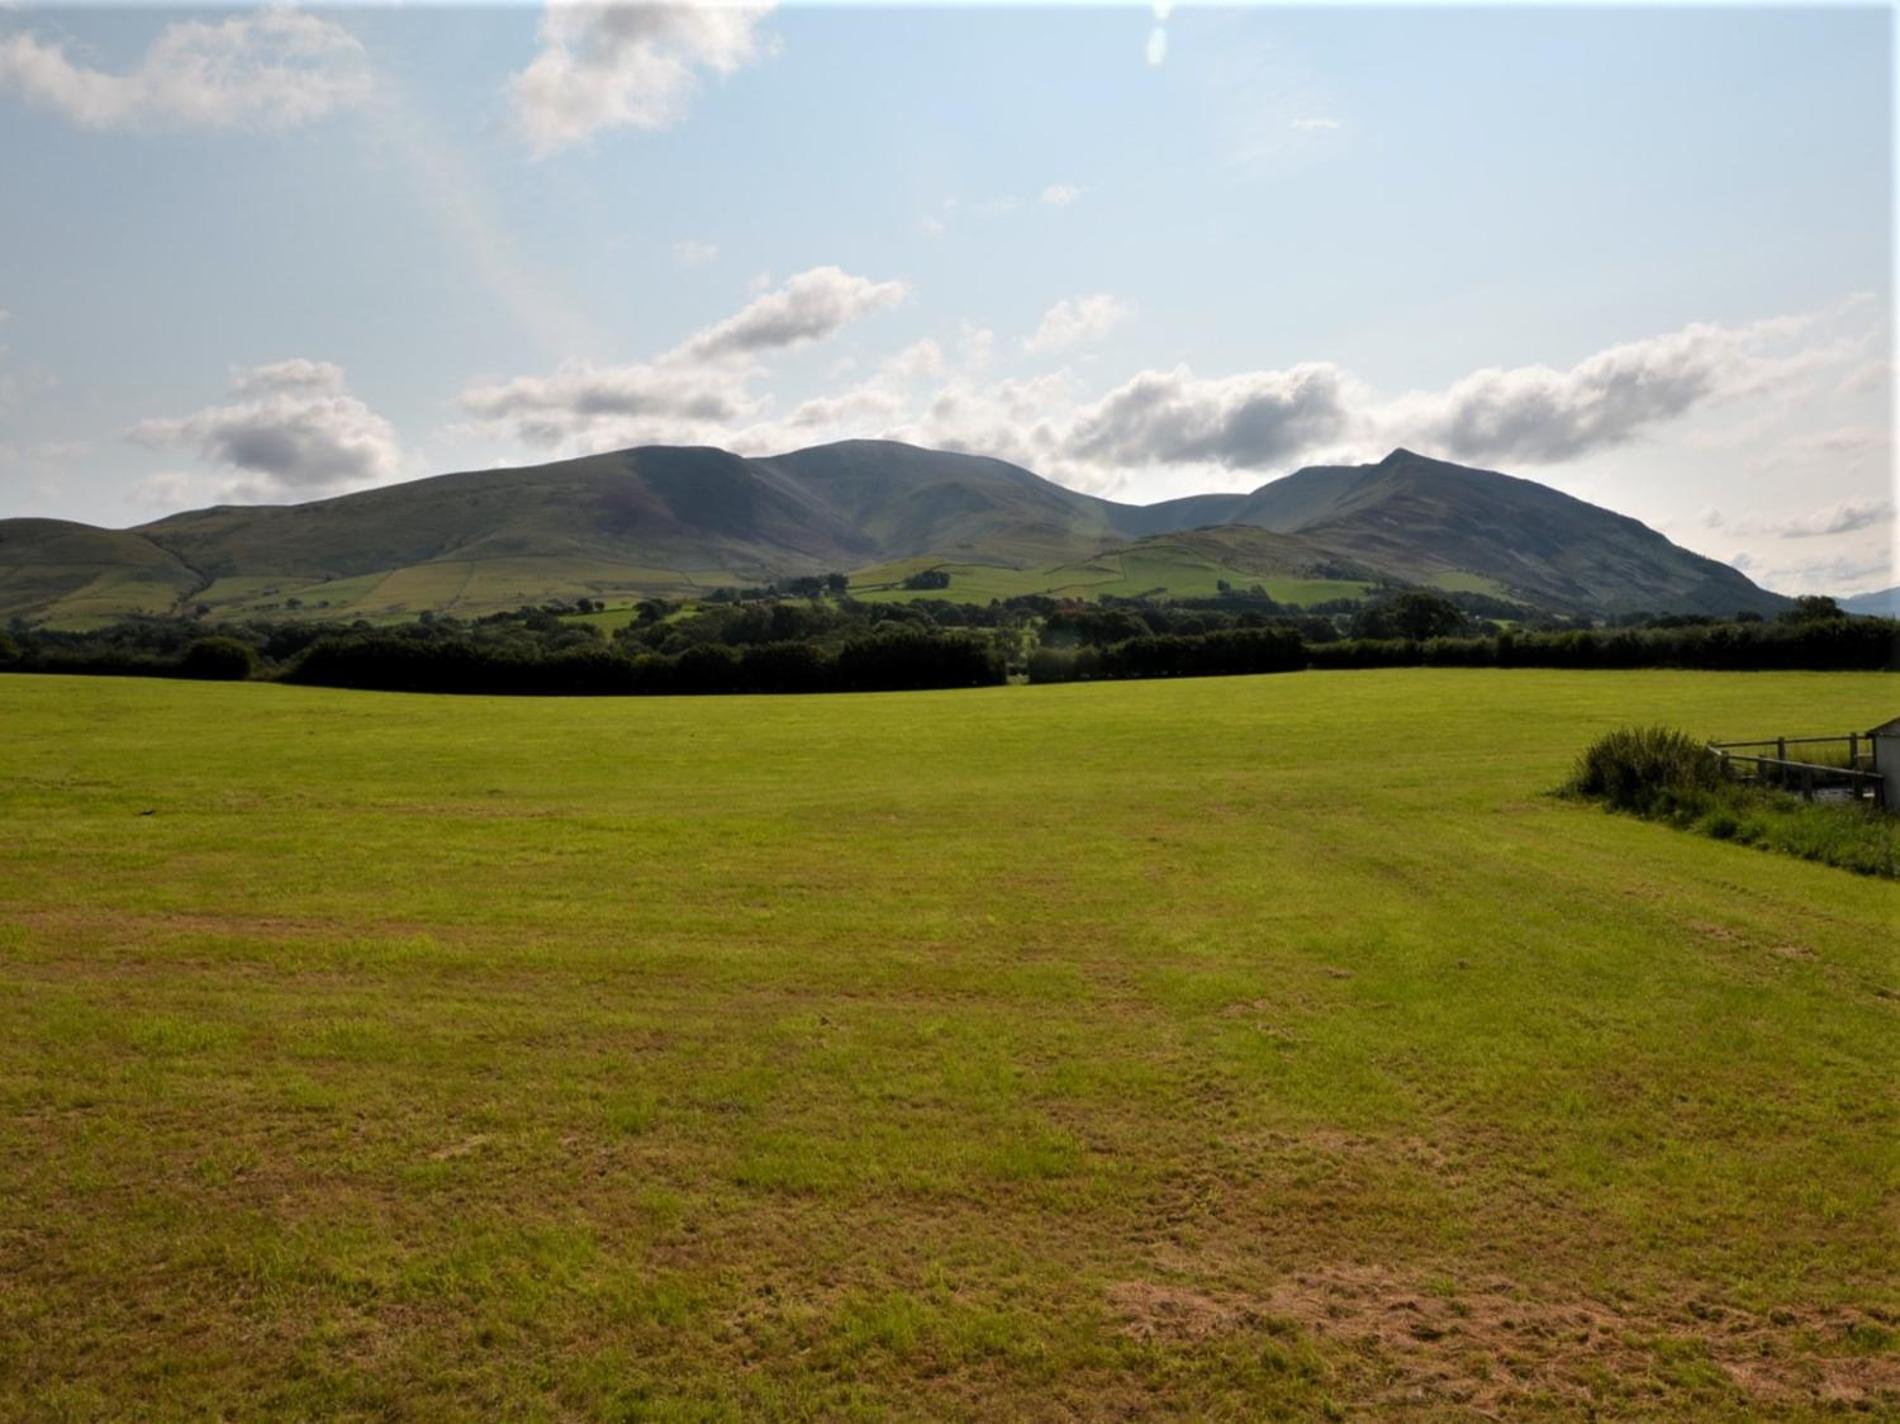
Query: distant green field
468, 587
1223, 1049
1121, 575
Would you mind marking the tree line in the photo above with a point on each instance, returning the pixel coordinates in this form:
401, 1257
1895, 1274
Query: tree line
805, 645
530, 652
1837, 644
888, 660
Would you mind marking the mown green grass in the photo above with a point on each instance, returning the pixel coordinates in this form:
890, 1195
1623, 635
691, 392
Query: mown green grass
1232, 1048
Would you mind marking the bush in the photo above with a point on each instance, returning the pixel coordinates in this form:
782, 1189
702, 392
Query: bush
218, 660
1233, 651
1666, 775
904, 658
1416, 614
1647, 770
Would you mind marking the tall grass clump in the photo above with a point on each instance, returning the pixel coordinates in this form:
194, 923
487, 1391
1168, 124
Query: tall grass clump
1667, 775
1646, 770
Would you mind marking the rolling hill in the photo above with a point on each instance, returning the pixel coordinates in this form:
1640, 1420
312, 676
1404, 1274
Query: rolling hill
1883, 603
1433, 522
673, 520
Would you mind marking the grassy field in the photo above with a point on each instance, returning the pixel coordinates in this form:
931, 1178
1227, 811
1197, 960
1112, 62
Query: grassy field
1151, 569
1239, 1048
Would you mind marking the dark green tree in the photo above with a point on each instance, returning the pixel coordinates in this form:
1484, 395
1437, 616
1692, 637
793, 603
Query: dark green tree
218, 660
1414, 614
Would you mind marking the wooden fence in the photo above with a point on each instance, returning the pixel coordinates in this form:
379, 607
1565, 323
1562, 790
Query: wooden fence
1837, 769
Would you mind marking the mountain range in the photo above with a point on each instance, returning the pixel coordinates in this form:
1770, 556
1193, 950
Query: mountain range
1881, 603
674, 520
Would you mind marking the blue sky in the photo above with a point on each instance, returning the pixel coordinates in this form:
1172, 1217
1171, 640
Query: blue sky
1642, 255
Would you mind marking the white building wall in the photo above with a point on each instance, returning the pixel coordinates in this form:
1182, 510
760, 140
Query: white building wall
1887, 762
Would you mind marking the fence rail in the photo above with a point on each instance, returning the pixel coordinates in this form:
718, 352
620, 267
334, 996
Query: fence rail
1853, 778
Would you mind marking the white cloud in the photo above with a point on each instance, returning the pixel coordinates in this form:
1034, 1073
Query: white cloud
1839, 574
1314, 125
809, 307
701, 391
866, 405
272, 68
1158, 36
173, 490
582, 398
1060, 195
1541, 415
1076, 321
1847, 440
1250, 421
919, 360
1177, 427
694, 254
1254, 420
1843, 516
607, 66
290, 428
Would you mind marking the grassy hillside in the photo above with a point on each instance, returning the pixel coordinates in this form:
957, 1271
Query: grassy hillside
909, 502
1189, 564
666, 520
87, 573
1179, 1049
1437, 523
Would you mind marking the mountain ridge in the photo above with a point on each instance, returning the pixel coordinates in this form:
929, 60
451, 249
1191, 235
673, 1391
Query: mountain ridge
675, 519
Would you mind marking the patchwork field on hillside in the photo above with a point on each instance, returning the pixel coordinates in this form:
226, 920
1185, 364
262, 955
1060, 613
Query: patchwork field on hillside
1236, 1048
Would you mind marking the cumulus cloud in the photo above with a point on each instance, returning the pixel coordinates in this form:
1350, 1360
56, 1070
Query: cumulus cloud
702, 390
1159, 426
607, 66
916, 361
290, 428
1247, 421
1524, 415
171, 489
1839, 574
548, 411
1846, 516
1843, 516
1538, 414
1076, 321
1060, 195
273, 68
809, 307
